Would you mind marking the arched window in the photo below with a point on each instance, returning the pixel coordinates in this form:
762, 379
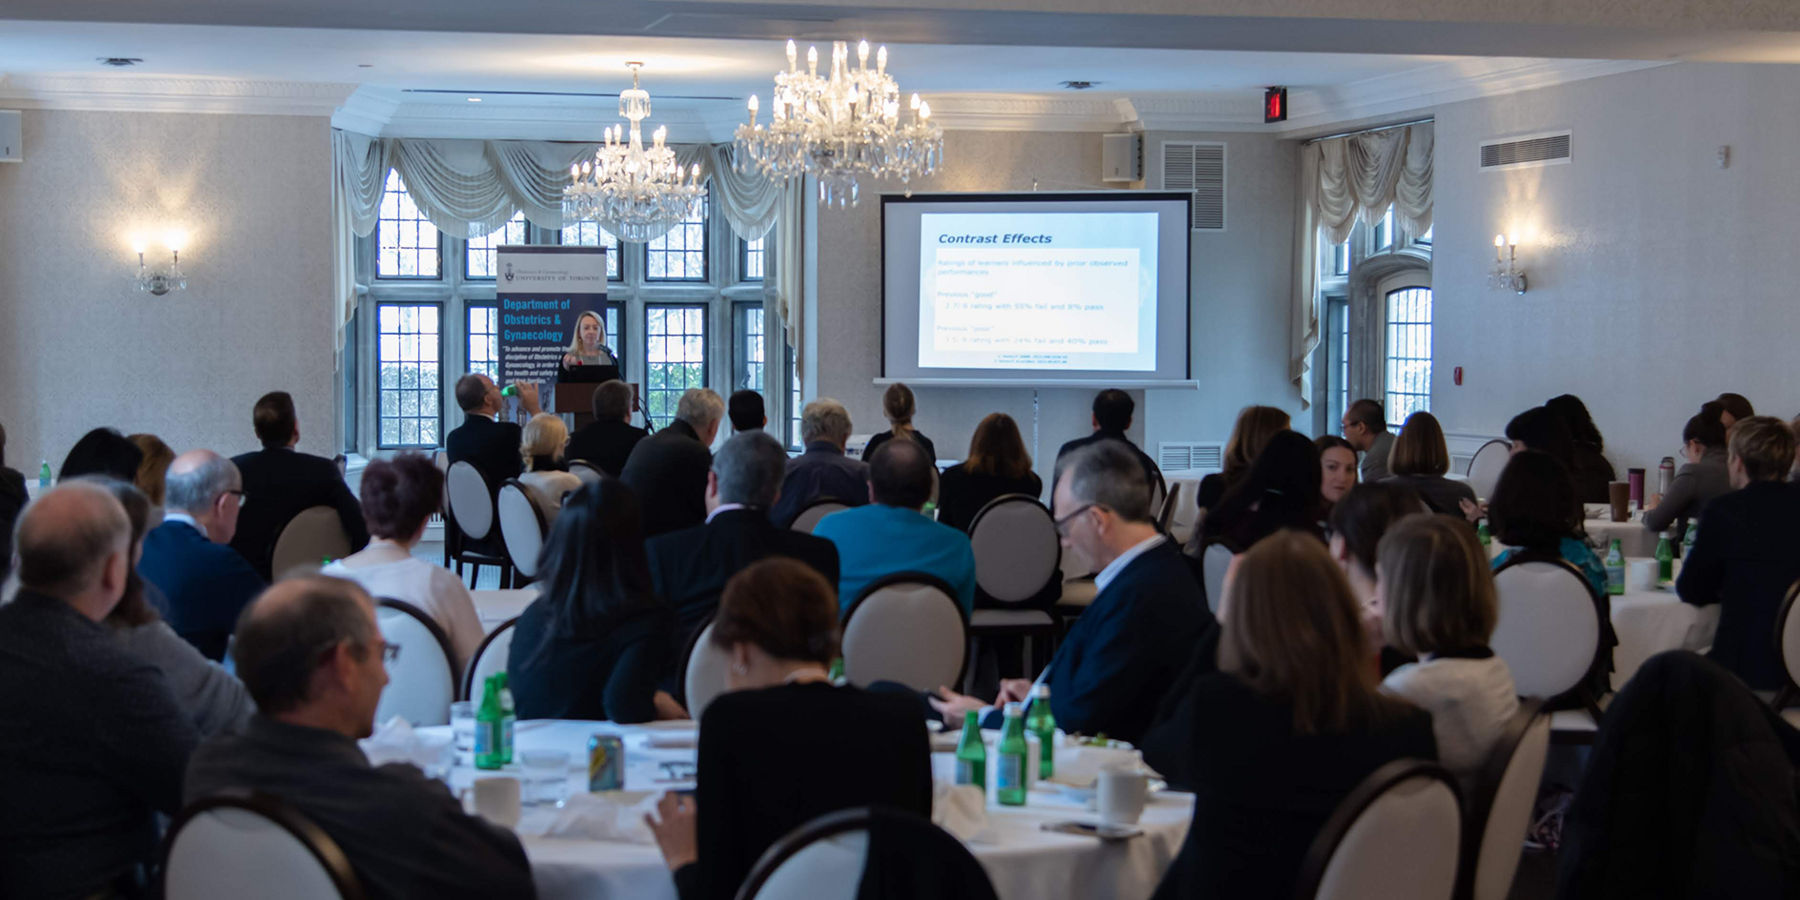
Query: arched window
1408, 353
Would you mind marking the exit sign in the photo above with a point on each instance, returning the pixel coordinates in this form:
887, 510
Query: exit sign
1275, 105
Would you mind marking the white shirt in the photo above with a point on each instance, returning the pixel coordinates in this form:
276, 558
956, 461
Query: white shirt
723, 508
1118, 565
1470, 701
177, 516
433, 589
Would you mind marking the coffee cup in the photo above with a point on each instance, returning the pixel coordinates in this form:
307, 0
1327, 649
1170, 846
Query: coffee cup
1121, 794
497, 800
1619, 493
1640, 574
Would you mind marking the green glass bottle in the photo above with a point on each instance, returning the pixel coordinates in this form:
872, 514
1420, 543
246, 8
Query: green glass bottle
971, 753
511, 390
836, 675
1615, 568
509, 716
1041, 722
1665, 558
1012, 766
44, 474
1483, 534
488, 728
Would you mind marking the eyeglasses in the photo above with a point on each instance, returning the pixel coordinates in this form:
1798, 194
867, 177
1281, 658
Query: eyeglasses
243, 498
1062, 524
390, 653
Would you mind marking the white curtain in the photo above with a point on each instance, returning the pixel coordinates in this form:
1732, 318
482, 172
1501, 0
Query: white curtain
358, 170
790, 267
1303, 325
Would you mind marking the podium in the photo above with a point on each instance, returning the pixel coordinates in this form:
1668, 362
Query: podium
577, 397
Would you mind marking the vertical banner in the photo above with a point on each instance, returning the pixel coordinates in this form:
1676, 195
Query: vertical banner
552, 323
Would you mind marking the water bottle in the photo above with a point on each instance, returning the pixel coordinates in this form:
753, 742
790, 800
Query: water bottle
1483, 535
489, 727
1615, 568
971, 753
511, 390
1011, 768
1665, 475
508, 718
44, 474
1041, 722
1665, 557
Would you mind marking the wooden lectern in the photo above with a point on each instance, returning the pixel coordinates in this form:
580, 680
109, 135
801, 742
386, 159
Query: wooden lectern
577, 397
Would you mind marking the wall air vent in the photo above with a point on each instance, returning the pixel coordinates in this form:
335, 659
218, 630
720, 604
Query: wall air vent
1178, 457
1526, 152
1200, 168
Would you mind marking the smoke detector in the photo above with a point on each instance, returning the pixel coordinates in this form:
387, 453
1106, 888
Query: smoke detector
1080, 85
119, 62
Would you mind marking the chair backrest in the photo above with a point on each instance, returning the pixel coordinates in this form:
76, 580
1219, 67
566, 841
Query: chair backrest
1214, 561
471, 503
1166, 515
585, 471
819, 508
1787, 646
422, 681
316, 534
906, 628
1396, 837
1159, 493
828, 858
1549, 628
522, 526
702, 670
1500, 811
1017, 551
441, 459
490, 657
1486, 465
252, 846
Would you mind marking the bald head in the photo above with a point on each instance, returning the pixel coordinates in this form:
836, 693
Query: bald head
286, 635
900, 474
198, 484
69, 540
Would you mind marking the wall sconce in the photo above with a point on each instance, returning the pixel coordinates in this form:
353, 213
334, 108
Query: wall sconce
1506, 273
161, 281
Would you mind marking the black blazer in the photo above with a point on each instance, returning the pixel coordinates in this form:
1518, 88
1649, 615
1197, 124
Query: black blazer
280, 484
12, 500
605, 443
1746, 554
609, 677
773, 759
884, 437
668, 470
1262, 792
1151, 472
689, 568
962, 494
492, 447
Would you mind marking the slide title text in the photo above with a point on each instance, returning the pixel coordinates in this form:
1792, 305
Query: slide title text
994, 239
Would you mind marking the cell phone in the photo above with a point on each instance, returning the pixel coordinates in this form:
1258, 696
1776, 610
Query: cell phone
1090, 829
678, 771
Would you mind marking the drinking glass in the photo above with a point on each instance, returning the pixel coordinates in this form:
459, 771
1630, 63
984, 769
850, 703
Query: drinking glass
462, 726
546, 776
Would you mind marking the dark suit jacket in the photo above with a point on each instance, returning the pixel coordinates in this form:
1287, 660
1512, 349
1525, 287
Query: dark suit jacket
668, 470
962, 494
206, 584
608, 676
606, 444
280, 484
492, 447
12, 500
1151, 471
689, 568
822, 471
1746, 554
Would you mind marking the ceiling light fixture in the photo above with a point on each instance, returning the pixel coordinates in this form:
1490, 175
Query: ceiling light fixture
635, 192
118, 62
1080, 85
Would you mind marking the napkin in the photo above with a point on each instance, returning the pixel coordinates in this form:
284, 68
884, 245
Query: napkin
961, 809
672, 740
616, 816
1079, 765
395, 741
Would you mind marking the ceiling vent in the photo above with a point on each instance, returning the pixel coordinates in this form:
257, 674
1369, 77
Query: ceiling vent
1178, 457
1526, 152
1200, 168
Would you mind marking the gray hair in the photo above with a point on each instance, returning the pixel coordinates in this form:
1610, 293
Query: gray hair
280, 637
612, 400
64, 537
825, 419
196, 489
700, 407
750, 467
1107, 474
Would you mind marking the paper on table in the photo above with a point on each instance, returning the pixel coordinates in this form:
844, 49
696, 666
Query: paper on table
961, 809
672, 740
607, 816
1079, 765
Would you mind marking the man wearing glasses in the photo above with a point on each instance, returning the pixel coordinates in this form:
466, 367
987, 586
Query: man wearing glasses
189, 556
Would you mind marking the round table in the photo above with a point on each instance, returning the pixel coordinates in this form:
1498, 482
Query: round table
1633, 537
495, 608
1648, 622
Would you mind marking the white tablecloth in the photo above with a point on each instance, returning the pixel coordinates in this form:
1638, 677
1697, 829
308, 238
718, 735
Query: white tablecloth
1651, 621
495, 607
1024, 862
1633, 537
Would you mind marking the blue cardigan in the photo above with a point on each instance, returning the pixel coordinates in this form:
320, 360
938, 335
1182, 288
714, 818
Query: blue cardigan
206, 584
877, 540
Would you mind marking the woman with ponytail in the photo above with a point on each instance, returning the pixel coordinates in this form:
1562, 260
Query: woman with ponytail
899, 406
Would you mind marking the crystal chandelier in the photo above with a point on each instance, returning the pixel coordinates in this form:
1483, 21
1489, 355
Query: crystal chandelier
641, 192
840, 127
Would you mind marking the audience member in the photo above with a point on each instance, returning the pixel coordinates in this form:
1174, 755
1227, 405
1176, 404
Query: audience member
212, 698
187, 557
1733, 408
13, 497
1358, 523
669, 467
891, 534
490, 445
1793, 426
1439, 603
1113, 410
1337, 470
95, 744
783, 746
1109, 674
689, 568
153, 472
1744, 557
606, 443
1591, 469
899, 406
103, 451
746, 411
1540, 429
313, 658
1280, 491
1365, 427
399, 496
1286, 729
1703, 478
1419, 462
286, 483
541, 445
997, 465
595, 641
823, 470
1249, 435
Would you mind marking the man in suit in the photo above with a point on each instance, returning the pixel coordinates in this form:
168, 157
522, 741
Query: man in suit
607, 441
747, 411
205, 583
689, 567
1113, 410
12, 500
668, 470
286, 483
891, 534
96, 742
1365, 427
1744, 557
823, 470
1133, 643
485, 442
312, 657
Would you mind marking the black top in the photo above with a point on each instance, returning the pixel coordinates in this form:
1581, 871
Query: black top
605, 677
773, 759
884, 437
668, 470
12, 499
94, 744
962, 494
605, 443
1151, 472
404, 834
1212, 490
492, 447
1441, 495
280, 484
1263, 792
1744, 558
1592, 472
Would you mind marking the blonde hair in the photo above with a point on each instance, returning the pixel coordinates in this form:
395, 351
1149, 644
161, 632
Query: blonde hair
1420, 448
899, 405
1765, 446
1436, 585
575, 334
1292, 635
1255, 425
545, 435
153, 472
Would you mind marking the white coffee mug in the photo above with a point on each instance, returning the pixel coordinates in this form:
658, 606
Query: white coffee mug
497, 800
1121, 795
1640, 575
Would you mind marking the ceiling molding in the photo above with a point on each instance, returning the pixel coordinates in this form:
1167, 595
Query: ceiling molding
1023, 112
190, 95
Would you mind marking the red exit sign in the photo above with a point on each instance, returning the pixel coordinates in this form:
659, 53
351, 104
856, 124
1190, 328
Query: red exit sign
1275, 106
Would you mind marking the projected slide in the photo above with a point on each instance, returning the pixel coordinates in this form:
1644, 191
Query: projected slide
1034, 291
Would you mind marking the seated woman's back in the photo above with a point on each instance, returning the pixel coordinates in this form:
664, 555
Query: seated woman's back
1281, 491
997, 465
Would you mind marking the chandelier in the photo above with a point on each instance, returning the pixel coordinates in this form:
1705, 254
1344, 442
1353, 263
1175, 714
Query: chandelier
840, 127
641, 192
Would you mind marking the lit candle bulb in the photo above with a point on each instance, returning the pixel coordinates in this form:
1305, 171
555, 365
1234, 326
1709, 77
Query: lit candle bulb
662, 131
881, 60
174, 240
792, 66
924, 111
695, 173
753, 105
812, 60
574, 172
137, 246
862, 54
915, 103
587, 167
1512, 240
